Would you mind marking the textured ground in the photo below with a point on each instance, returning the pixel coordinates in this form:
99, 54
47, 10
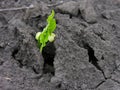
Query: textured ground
84, 56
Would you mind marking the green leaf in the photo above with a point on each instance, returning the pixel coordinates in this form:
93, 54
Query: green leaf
46, 34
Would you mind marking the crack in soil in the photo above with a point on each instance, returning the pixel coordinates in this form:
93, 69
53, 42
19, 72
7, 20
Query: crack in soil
92, 58
115, 81
81, 42
99, 85
48, 56
14, 53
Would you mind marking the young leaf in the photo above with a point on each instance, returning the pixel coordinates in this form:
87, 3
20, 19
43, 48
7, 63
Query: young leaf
47, 33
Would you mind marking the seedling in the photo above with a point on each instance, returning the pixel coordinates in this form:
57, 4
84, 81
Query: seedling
47, 33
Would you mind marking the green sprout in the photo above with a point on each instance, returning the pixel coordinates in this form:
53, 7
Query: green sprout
47, 33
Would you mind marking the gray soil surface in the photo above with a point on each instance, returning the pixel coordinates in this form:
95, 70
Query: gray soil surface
84, 56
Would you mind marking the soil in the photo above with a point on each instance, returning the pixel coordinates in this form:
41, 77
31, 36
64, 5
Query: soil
84, 56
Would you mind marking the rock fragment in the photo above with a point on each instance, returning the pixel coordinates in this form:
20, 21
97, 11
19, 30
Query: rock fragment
70, 7
87, 11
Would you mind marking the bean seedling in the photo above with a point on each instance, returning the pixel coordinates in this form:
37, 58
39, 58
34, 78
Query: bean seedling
47, 33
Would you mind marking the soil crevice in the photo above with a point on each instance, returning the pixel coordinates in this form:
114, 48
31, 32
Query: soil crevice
92, 59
